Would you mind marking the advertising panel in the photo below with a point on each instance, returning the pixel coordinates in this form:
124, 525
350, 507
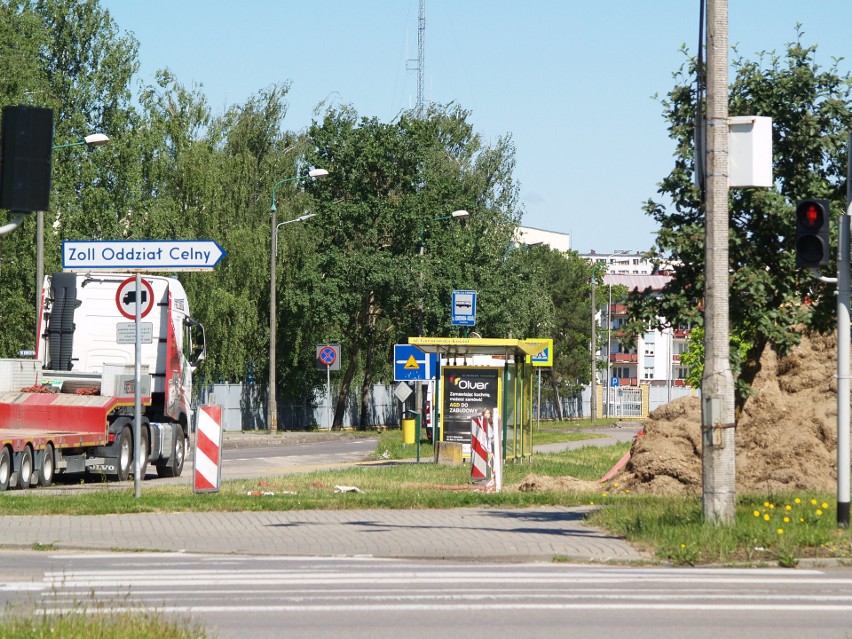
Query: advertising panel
467, 391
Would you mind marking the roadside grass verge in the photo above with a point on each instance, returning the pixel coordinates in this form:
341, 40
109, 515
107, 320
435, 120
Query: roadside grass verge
91, 621
770, 530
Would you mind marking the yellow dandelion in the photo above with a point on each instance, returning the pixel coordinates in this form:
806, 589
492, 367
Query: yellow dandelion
771, 506
813, 502
801, 520
786, 520
797, 501
615, 485
757, 513
788, 507
627, 490
766, 517
819, 512
780, 531
604, 495
824, 505
682, 546
766, 504
591, 503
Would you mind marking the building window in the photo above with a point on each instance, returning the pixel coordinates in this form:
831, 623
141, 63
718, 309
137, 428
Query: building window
648, 374
649, 349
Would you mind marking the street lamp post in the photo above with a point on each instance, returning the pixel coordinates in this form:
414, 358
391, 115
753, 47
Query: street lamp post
272, 403
418, 397
95, 139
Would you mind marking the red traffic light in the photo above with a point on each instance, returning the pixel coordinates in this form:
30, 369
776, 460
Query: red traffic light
810, 216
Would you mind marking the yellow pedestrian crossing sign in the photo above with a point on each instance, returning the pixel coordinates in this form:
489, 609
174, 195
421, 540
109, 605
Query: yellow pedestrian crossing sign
411, 364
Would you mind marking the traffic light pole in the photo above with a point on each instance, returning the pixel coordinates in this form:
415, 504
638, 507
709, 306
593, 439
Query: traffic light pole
843, 347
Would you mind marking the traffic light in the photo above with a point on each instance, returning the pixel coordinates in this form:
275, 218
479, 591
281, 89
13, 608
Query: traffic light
812, 233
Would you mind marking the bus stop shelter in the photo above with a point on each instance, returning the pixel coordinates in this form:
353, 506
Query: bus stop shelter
475, 374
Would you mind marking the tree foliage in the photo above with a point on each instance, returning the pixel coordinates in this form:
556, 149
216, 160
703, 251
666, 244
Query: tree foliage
810, 109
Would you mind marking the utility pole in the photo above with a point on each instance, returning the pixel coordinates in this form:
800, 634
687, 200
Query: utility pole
717, 386
594, 397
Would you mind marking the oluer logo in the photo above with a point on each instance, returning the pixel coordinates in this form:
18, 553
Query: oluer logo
464, 384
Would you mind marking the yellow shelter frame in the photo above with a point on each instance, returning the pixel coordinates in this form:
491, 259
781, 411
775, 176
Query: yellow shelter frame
517, 391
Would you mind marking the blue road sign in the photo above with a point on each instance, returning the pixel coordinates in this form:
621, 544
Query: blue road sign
141, 255
412, 364
464, 308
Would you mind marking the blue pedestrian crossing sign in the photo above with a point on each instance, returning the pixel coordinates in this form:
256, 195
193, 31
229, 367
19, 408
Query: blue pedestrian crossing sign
545, 356
412, 364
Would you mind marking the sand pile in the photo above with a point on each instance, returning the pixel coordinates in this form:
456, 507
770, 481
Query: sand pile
786, 437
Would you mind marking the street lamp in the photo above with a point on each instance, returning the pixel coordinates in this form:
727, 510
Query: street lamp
272, 403
418, 385
93, 139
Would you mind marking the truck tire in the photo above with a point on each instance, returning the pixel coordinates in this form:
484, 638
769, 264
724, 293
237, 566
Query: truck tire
175, 466
5, 468
48, 467
124, 463
143, 453
25, 474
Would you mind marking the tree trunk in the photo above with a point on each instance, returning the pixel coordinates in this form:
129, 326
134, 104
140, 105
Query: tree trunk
556, 398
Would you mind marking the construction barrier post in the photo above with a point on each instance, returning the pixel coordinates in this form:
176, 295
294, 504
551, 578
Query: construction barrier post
207, 464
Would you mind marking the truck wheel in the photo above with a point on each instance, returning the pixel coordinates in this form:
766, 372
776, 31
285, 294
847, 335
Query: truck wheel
48, 467
25, 474
125, 454
5, 468
175, 466
143, 454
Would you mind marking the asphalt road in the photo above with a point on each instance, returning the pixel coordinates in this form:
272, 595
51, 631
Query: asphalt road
317, 598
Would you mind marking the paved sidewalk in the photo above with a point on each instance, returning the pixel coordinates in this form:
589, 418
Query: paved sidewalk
498, 534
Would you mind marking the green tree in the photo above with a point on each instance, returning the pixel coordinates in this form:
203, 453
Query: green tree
66, 55
810, 108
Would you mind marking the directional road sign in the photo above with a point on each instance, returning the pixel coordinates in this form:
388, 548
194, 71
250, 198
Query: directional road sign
412, 364
141, 255
464, 308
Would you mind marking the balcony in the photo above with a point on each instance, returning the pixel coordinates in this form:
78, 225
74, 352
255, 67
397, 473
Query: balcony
680, 333
624, 358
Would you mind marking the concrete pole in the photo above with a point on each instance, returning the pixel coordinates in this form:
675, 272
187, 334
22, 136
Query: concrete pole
594, 397
272, 402
718, 454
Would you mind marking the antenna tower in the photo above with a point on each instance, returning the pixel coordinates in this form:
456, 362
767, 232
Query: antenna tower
421, 56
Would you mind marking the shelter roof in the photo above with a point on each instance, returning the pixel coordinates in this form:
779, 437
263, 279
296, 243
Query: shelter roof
459, 346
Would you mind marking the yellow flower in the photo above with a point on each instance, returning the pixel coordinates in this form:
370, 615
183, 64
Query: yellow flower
615, 485
780, 531
801, 520
788, 507
797, 500
771, 506
766, 517
813, 502
819, 512
786, 520
683, 546
757, 513
766, 504
824, 505
591, 503
604, 495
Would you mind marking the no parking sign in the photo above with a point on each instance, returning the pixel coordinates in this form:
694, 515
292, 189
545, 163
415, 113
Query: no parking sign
328, 357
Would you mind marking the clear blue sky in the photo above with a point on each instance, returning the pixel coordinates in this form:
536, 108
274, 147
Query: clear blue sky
572, 81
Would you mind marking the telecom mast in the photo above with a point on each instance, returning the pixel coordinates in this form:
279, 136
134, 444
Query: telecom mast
421, 37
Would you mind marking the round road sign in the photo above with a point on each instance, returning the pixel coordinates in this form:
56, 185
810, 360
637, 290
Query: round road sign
125, 298
327, 355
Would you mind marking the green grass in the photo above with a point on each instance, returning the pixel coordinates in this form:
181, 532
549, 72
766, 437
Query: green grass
95, 623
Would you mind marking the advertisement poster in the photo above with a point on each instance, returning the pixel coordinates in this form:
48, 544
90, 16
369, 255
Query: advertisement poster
467, 392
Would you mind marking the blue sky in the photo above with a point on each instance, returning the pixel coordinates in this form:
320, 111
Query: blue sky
572, 81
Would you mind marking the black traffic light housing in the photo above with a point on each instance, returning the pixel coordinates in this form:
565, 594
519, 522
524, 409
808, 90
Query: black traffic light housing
812, 233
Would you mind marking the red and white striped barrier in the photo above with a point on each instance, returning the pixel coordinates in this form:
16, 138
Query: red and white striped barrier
479, 447
208, 450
